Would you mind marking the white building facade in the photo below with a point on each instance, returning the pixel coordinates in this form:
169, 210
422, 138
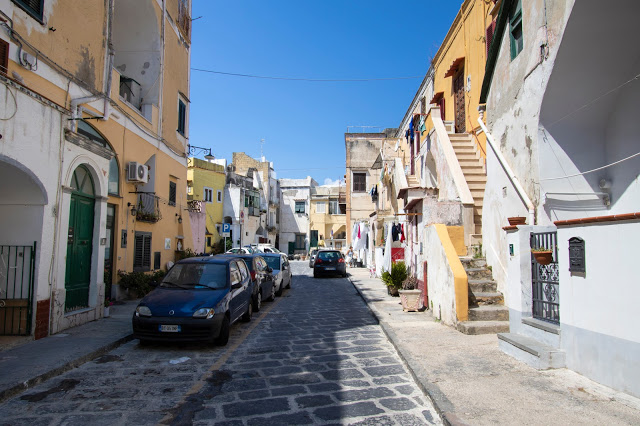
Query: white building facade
295, 200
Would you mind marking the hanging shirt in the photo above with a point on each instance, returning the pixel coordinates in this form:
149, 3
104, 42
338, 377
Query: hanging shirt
401, 233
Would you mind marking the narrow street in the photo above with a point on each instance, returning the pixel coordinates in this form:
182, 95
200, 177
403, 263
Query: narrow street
314, 356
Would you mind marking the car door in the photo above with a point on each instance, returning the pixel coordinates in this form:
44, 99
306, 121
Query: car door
286, 271
267, 277
247, 286
238, 288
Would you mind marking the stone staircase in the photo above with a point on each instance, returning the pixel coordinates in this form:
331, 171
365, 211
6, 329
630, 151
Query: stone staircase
412, 181
475, 173
487, 313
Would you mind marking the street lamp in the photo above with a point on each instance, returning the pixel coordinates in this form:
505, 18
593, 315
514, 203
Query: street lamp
191, 150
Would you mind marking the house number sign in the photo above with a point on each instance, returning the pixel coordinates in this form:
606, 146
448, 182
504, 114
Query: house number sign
576, 255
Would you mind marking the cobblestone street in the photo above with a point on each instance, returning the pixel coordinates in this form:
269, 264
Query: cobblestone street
314, 356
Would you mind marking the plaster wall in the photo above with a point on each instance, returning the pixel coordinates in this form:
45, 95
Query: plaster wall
204, 174
292, 223
440, 278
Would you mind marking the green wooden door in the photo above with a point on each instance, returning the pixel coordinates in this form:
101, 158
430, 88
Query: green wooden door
79, 246
291, 247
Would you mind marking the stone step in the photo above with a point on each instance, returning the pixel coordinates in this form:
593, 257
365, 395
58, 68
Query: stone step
489, 313
483, 327
482, 285
476, 179
468, 156
486, 298
482, 273
531, 351
463, 148
476, 186
460, 136
472, 169
473, 262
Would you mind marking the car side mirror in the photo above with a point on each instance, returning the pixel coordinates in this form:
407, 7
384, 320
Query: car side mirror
236, 285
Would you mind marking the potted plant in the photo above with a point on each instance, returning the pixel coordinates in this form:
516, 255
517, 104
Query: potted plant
410, 296
517, 220
107, 304
543, 255
393, 280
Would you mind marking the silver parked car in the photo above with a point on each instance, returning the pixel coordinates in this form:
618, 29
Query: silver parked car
281, 270
312, 257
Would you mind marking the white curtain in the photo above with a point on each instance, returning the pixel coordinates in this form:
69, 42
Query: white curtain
386, 262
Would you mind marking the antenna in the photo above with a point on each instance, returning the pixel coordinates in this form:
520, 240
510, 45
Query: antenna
261, 149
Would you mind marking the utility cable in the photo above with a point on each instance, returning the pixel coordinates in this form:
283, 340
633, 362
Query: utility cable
317, 80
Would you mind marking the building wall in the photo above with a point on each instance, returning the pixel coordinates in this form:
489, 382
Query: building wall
204, 174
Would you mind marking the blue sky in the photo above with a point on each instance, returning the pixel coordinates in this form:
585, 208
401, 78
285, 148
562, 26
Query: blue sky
303, 123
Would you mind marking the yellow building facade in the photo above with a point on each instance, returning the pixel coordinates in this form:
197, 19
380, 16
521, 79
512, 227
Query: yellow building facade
99, 135
327, 218
205, 183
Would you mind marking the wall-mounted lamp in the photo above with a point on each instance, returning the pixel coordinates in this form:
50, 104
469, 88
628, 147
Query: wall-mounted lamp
134, 211
179, 218
192, 149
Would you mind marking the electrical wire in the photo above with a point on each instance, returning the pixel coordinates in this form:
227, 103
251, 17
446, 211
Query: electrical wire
316, 80
593, 170
15, 102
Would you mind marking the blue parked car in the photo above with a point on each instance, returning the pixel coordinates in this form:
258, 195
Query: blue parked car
198, 299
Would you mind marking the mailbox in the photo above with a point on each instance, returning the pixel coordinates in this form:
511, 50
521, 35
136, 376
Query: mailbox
576, 255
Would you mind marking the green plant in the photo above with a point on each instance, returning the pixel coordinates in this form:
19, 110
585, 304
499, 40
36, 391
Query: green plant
539, 249
185, 254
397, 275
107, 302
137, 283
477, 251
411, 283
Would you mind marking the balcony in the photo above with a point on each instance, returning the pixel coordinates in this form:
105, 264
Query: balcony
148, 208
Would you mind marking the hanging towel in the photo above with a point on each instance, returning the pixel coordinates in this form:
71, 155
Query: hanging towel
402, 233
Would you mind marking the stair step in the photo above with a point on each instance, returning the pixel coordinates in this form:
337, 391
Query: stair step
489, 313
483, 327
473, 262
488, 298
482, 274
477, 179
483, 285
531, 351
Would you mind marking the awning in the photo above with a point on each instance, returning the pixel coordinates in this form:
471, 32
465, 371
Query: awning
454, 67
436, 98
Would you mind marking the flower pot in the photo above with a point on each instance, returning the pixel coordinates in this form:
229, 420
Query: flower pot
543, 257
107, 312
411, 300
393, 291
519, 220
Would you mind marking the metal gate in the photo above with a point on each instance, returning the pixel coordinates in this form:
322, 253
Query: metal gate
545, 282
17, 266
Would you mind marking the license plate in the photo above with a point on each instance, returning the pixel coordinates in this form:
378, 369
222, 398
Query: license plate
330, 269
170, 328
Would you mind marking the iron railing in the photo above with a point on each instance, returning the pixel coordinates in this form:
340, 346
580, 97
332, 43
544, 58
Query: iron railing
148, 207
17, 266
545, 282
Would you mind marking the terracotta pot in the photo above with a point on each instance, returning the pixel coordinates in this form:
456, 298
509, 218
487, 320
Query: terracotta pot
543, 257
519, 220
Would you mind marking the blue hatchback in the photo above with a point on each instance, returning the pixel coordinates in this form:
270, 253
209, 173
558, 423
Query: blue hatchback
198, 299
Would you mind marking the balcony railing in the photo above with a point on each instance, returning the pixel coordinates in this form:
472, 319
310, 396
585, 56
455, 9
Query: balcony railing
148, 207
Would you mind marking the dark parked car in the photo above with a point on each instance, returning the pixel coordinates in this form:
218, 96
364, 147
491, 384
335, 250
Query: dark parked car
329, 262
198, 299
263, 281
281, 270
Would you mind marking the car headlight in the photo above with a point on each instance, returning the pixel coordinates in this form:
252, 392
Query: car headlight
143, 311
204, 313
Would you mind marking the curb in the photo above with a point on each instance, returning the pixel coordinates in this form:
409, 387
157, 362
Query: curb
19, 388
441, 403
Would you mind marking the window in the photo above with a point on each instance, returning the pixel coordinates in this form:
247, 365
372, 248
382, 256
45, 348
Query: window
4, 57
219, 196
252, 202
321, 207
515, 29
32, 7
172, 193
333, 207
182, 117
299, 245
207, 195
359, 182
208, 241
142, 251
300, 207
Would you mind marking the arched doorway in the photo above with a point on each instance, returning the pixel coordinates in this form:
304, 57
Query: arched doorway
79, 240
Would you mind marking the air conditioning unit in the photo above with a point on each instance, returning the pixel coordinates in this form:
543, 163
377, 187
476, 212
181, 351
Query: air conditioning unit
138, 172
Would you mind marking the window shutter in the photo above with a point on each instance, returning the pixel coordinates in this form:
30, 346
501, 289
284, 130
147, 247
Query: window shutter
4, 57
489, 35
138, 258
33, 7
142, 252
172, 193
147, 252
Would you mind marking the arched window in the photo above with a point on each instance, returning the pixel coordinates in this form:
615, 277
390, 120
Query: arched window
82, 182
87, 130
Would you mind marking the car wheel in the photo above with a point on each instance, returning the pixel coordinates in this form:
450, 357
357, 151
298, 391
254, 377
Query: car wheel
272, 297
257, 303
344, 275
315, 274
279, 292
247, 316
223, 337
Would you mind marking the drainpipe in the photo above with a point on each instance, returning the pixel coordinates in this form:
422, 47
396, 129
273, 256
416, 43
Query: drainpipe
512, 176
107, 90
76, 109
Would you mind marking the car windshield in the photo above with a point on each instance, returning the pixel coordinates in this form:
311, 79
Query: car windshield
196, 275
328, 255
273, 262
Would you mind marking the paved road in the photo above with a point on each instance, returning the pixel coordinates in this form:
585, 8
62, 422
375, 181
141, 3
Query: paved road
314, 356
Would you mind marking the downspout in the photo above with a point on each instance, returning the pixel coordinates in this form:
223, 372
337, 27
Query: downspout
512, 176
161, 88
76, 110
110, 60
